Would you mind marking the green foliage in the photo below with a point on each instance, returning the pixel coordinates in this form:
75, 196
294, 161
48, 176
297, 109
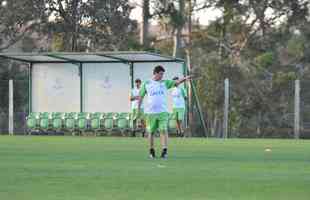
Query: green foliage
106, 24
260, 59
164, 47
19, 18
281, 78
111, 24
171, 14
58, 43
265, 60
296, 47
28, 44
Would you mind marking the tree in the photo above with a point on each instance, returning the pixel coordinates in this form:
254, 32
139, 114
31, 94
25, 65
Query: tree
68, 18
172, 17
245, 19
19, 18
99, 24
110, 27
250, 48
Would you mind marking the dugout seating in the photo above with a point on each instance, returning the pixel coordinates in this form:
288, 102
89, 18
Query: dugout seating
108, 121
79, 122
32, 121
96, 122
57, 121
44, 119
82, 121
122, 121
69, 122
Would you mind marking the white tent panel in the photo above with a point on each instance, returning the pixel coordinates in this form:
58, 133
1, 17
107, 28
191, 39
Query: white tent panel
106, 87
144, 71
55, 87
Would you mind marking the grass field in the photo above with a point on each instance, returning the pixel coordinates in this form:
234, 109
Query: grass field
87, 168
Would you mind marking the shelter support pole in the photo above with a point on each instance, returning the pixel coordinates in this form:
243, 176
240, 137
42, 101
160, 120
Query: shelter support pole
81, 88
30, 88
131, 75
202, 120
11, 108
190, 98
186, 89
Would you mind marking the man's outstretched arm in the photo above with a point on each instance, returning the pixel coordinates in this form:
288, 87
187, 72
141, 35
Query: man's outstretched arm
182, 80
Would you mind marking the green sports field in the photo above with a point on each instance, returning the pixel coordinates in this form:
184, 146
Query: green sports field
87, 168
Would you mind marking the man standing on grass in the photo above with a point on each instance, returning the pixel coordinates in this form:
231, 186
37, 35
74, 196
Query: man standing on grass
178, 97
156, 108
136, 115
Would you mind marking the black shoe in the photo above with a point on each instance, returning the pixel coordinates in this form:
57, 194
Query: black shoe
152, 154
133, 133
164, 154
182, 134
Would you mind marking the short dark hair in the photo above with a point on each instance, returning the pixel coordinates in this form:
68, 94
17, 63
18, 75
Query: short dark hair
137, 80
158, 69
175, 78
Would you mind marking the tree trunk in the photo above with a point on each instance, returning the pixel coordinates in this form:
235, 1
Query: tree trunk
177, 42
144, 31
74, 26
178, 33
214, 125
258, 128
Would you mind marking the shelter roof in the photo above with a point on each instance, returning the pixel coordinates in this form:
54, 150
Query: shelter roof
95, 57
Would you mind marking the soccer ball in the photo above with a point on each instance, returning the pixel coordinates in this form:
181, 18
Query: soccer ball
267, 149
4, 3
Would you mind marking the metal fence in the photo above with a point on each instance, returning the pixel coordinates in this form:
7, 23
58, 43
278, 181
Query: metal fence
20, 105
255, 109
305, 108
4, 123
4, 105
261, 108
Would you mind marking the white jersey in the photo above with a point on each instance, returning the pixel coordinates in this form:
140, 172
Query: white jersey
178, 96
156, 92
134, 104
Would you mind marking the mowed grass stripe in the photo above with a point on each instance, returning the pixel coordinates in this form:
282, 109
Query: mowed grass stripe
118, 168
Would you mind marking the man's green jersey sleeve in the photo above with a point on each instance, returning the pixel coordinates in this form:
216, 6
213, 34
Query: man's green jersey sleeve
170, 83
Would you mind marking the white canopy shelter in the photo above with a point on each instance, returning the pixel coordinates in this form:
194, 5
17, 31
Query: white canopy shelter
90, 82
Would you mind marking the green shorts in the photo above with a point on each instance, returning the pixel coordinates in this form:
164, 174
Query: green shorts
158, 121
179, 113
137, 115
